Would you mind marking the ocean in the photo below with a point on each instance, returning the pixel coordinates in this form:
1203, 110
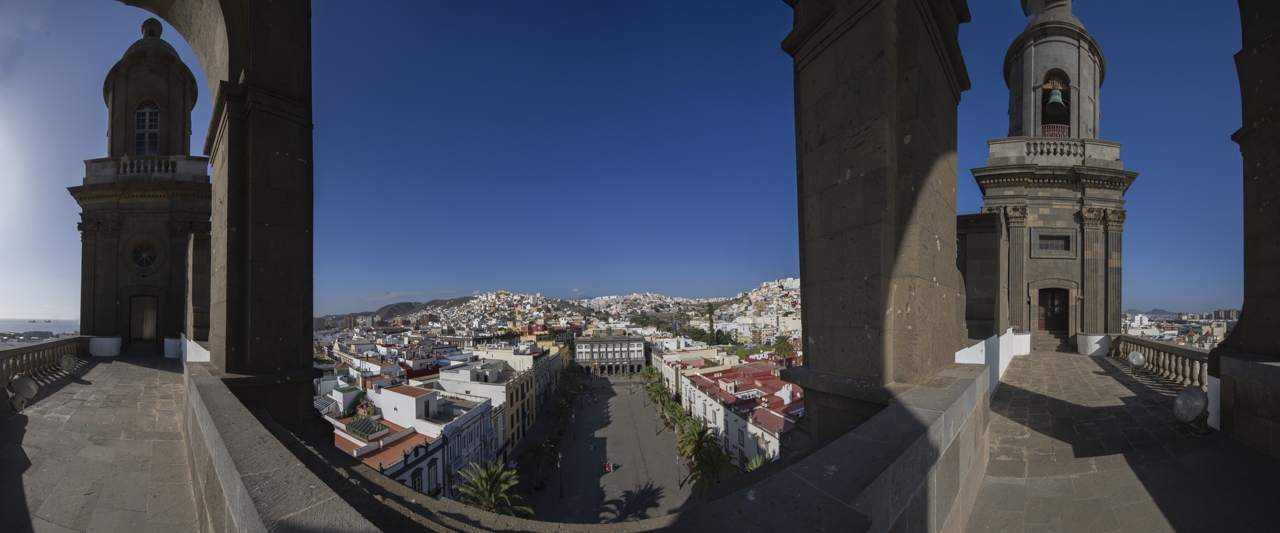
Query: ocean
21, 325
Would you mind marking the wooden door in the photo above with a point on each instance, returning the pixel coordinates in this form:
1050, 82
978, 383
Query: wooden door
1053, 309
142, 318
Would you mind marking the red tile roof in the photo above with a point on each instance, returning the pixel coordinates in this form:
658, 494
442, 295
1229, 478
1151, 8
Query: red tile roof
416, 392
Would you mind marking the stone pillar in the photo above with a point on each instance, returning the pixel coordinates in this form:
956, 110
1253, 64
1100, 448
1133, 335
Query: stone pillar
196, 321
1092, 255
256, 56
1258, 67
111, 312
88, 272
1019, 311
1115, 231
876, 91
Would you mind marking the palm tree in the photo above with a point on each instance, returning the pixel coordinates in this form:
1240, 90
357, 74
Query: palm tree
757, 462
650, 374
539, 457
562, 411
677, 416
711, 465
661, 394
782, 346
491, 487
696, 438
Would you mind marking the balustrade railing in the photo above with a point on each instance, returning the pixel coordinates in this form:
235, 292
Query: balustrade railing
1055, 148
40, 356
1180, 364
1055, 130
147, 165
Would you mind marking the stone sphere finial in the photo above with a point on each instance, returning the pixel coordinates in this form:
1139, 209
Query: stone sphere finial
151, 28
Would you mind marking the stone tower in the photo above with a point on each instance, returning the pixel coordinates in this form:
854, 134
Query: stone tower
1045, 254
140, 204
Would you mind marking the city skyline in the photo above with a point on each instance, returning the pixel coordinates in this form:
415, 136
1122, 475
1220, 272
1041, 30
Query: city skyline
449, 191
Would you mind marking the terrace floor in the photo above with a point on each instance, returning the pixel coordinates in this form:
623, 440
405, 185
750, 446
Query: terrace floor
1078, 444
99, 450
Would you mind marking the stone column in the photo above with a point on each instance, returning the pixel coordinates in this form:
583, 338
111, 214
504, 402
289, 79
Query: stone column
1094, 275
1018, 307
88, 238
876, 90
111, 313
1258, 67
1115, 230
260, 147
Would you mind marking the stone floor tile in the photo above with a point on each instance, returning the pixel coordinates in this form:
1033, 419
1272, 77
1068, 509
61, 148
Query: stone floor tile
1001, 468
107, 520
1142, 517
126, 492
171, 503
71, 503
1003, 494
164, 527
994, 521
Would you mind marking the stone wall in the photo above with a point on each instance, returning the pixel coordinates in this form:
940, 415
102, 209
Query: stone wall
244, 478
1250, 401
981, 252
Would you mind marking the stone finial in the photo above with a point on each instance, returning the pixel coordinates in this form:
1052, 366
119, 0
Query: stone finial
1032, 8
152, 28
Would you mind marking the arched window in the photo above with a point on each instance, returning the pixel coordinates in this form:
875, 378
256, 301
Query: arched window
1055, 104
146, 129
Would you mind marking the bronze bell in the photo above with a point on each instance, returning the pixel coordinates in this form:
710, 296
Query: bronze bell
1055, 106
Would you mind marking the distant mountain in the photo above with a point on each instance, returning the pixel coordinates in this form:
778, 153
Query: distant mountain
1153, 312
396, 309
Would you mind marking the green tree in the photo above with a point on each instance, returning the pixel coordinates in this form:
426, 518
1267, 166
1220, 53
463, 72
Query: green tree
562, 411
696, 438
539, 457
782, 346
650, 374
677, 416
491, 487
712, 464
755, 463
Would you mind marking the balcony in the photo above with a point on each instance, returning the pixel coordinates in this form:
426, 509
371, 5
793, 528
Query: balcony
146, 168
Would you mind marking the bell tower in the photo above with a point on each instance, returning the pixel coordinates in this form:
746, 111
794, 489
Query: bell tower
140, 204
1044, 256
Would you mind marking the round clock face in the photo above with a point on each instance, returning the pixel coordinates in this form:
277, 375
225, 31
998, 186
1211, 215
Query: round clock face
144, 255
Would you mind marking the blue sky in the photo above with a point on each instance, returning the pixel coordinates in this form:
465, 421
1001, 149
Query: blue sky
583, 148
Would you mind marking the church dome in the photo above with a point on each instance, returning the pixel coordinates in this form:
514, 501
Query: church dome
151, 41
1047, 11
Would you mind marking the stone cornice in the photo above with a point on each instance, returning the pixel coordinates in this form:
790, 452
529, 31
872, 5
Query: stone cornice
1039, 177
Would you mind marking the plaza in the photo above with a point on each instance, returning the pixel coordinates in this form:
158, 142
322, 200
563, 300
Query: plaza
619, 426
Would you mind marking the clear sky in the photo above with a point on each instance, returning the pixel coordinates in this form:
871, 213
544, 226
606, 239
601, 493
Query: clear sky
584, 148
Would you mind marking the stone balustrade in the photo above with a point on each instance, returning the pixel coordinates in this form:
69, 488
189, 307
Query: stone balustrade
1054, 151
1055, 130
1180, 364
40, 356
166, 168
1055, 148
147, 165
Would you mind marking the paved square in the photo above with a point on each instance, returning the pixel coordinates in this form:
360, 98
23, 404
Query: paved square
619, 427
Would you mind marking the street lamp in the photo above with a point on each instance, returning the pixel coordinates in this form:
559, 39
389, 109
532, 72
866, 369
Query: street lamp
560, 459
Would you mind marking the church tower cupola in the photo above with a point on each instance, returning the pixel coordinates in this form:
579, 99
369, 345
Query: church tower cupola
1054, 70
144, 206
149, 95
1044, 257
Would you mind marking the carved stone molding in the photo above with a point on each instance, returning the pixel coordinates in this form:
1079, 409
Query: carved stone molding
1092, 217
1115, 218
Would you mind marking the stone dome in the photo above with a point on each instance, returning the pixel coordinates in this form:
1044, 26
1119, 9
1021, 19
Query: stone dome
151, 40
